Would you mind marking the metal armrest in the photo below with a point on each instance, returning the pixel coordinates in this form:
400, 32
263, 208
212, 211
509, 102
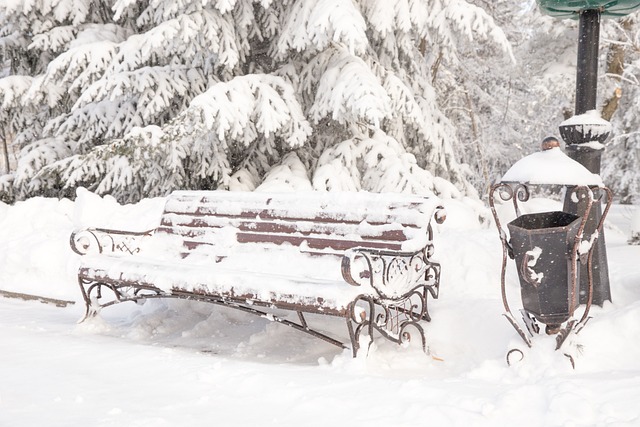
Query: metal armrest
101, 240
393, 275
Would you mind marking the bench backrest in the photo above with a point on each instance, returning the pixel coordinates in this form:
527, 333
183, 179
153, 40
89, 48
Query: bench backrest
316, 222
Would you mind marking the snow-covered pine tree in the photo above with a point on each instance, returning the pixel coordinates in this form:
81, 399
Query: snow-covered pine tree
138, 98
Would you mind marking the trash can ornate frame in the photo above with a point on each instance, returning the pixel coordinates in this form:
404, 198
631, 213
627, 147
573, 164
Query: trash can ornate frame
548, 248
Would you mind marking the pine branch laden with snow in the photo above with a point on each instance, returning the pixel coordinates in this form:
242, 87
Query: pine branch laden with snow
12, 89
222, 128
253, 104
345, 88
120, 75
311, 26
19, 122
288, 176
377, 164
442, 24
452, 19
33, 159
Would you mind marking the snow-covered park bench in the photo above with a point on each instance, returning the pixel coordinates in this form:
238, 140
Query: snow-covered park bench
361, 256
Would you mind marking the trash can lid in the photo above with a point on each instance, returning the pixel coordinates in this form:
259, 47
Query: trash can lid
551, 167
571, 8
543, 221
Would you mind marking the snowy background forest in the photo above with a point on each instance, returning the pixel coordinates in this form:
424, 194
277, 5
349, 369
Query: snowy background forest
135, 99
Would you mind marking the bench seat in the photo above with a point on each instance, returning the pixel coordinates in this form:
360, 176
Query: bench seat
307, 293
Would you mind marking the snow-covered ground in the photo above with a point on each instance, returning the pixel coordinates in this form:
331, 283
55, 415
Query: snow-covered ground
177, 363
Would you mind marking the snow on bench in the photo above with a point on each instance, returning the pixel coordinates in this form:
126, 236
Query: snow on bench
361, 256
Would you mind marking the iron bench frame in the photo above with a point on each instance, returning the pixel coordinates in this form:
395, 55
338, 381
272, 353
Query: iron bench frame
391, 316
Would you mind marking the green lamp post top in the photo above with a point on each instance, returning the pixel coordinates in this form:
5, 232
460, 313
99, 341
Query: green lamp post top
572, 8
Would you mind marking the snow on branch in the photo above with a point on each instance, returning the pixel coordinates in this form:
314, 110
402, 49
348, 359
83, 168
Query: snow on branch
403, 102
96, 122
153, 87
78, 67
347, 89
267, 104
121, 167
195, 150
452, 16
313, 25
289, 175
159, 11
110, 108
74, 11
34, 158
55, 39
387, 17
12, 89
66, 37
377, 164
199, 38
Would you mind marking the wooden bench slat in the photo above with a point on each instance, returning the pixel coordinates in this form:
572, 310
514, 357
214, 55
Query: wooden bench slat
315, 242
319, 207
191, 245
319, 218
214, 218
312, 199
200, 229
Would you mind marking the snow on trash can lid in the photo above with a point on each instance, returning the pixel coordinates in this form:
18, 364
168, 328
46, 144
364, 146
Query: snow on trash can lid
551, 167
587, 130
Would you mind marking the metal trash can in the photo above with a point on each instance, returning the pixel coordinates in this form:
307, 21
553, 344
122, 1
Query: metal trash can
543, 246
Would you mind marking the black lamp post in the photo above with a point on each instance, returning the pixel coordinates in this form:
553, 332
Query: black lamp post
587, 67
579, 136
586, 133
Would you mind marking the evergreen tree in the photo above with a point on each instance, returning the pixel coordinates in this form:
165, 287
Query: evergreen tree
138, 98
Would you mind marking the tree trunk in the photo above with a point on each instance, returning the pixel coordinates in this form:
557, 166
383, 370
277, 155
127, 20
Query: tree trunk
615, 69
611, 104
5, 155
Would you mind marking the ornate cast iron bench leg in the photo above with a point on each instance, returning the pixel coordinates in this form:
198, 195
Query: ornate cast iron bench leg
357, 320
95, 301
392, 321
92, 307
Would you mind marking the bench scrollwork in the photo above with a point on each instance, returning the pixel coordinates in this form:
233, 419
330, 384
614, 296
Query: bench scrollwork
100, 240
